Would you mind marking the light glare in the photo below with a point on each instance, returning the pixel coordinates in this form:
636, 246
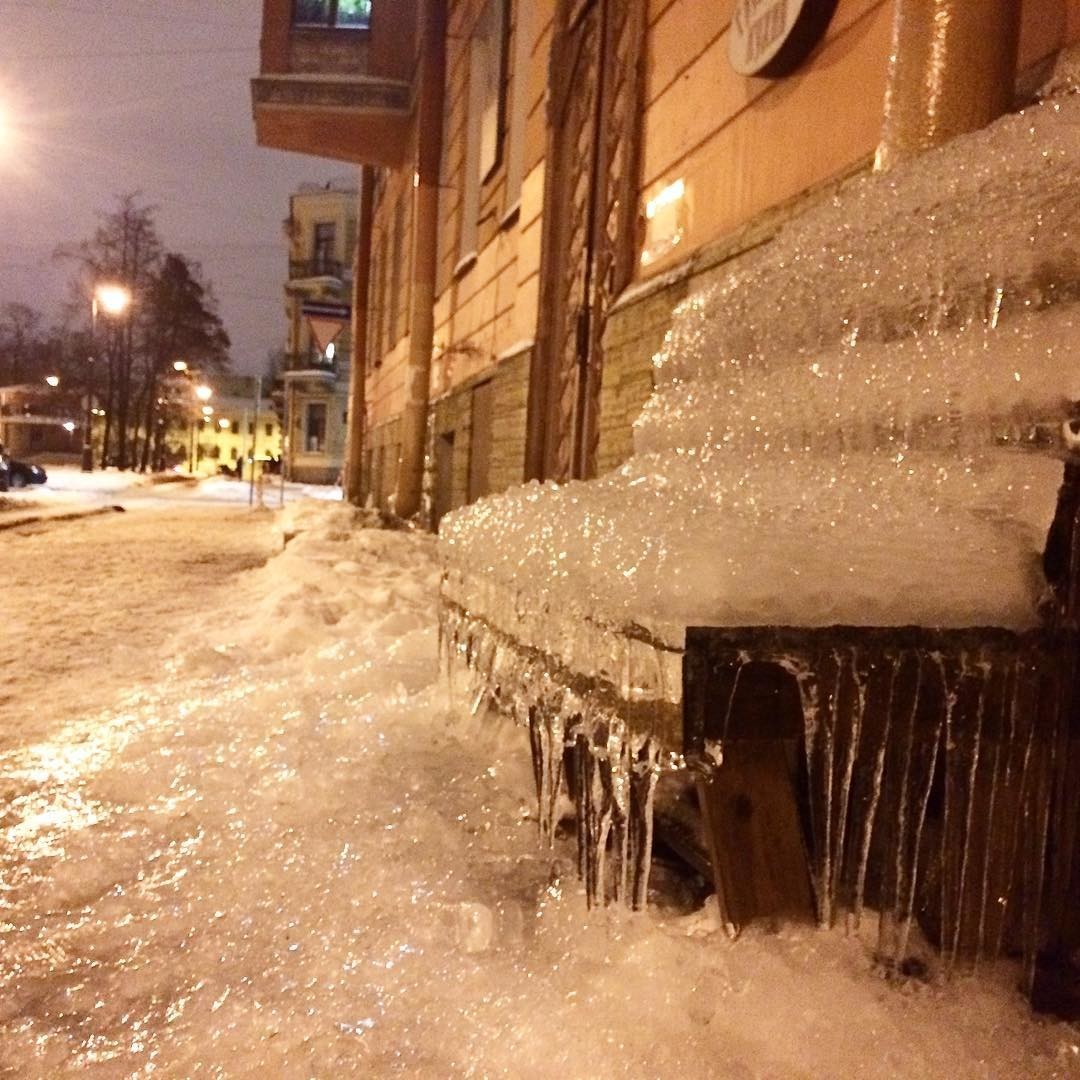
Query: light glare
113, 299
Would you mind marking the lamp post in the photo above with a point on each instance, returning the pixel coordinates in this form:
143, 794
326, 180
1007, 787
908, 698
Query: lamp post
113, 300
204, 394
207, 415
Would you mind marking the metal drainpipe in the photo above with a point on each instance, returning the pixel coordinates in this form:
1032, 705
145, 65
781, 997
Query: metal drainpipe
354, 458
952, 69
425, 248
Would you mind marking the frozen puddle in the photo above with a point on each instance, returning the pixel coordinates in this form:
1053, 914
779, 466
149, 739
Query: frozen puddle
291, 857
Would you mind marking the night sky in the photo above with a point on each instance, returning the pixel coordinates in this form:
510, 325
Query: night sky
110, 96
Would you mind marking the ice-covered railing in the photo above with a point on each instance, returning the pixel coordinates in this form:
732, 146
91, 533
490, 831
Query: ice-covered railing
842, 432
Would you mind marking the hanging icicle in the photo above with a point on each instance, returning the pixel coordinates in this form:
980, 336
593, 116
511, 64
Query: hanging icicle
581, 743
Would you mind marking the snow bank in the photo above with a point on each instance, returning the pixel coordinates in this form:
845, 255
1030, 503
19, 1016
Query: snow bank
290, 857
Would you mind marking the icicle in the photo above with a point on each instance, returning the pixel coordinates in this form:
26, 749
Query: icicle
853, 735
644, 777
894, 661
908, 903
1017, 784
1008, 693
619, 763
958, 912
888, 935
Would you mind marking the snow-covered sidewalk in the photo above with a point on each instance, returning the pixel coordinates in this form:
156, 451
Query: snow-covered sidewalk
290, 855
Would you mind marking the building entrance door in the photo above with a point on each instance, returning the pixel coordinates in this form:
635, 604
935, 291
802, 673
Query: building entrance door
594, 110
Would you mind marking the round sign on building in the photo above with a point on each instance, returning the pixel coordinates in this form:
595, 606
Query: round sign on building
771, 38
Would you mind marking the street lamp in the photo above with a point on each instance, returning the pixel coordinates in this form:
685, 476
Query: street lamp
52, 380
204, 393
113, 300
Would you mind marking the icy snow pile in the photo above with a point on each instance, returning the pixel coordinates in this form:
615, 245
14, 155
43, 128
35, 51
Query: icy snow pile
840, 423
288, 858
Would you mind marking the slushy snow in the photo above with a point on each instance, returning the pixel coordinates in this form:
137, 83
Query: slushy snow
292, 854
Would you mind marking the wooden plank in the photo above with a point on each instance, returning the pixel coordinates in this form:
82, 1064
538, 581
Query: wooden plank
751, 816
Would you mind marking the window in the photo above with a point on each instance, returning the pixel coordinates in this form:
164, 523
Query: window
489, 45
347, 14
269, 430
377, 305
483, 143
394, 303
519, 104
322, 256
251, 428
315, 427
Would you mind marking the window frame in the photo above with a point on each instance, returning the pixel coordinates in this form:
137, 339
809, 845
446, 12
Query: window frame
309, 408
324, 247
330, 22
485, 119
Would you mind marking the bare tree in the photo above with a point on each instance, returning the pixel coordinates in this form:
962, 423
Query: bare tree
172, 316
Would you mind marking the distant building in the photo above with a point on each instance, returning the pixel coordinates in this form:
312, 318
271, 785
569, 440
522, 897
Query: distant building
36, 420
322, 239
235, 430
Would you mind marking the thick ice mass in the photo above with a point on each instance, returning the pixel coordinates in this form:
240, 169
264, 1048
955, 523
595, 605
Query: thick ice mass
841, 427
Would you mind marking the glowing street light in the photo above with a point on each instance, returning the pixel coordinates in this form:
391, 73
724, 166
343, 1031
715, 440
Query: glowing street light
53, 380
180, 365
224, 423
204, 393
113, 300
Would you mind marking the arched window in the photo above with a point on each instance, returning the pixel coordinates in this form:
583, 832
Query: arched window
347, 14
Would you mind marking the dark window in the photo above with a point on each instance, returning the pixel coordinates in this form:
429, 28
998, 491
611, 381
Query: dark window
251, 428
322, 256
269, 430
315, 427
443, 494
394, 301
350, 14
377, 305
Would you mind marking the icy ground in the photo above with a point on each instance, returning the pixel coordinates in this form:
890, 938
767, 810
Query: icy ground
267, 844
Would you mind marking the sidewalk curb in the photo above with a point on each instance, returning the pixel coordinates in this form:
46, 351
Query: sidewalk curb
44, 519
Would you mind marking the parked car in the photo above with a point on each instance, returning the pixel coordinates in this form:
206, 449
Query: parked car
18, 474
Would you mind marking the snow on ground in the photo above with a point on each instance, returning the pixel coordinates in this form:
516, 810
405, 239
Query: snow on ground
289, 854
67, 485
85, 606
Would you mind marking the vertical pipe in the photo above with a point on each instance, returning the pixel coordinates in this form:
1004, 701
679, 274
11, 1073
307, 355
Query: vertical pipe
354, 454
952, 69
424, 262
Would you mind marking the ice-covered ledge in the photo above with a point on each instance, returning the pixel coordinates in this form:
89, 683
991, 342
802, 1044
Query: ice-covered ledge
844, 427
855, 425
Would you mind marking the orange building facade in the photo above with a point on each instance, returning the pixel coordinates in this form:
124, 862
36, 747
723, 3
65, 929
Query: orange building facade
542, 182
